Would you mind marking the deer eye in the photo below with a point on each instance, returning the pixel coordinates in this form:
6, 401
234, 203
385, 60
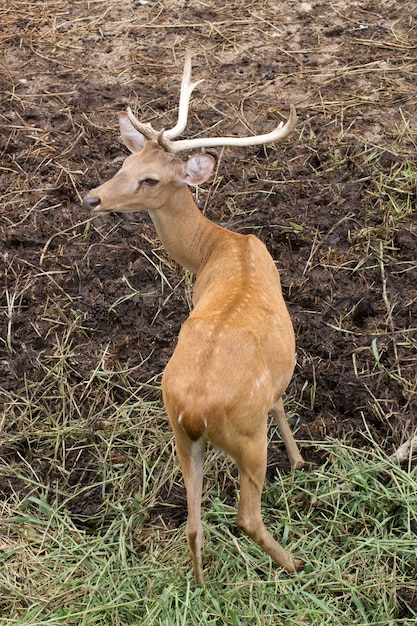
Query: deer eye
150, 181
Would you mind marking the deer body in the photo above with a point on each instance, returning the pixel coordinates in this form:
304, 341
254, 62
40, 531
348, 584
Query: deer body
237, 346
236, 351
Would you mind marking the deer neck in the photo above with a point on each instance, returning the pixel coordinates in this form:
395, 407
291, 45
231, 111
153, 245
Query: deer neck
187, 236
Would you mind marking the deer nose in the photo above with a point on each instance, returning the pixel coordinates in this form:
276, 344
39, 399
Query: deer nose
91, 203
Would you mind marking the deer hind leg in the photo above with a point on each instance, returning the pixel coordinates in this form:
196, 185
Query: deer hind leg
278, 413
251, 462
191, 458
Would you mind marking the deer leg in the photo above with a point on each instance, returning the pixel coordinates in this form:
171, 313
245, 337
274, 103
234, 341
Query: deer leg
191, 458
278, 413
251, 462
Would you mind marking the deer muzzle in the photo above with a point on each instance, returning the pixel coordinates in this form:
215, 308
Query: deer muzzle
91, 204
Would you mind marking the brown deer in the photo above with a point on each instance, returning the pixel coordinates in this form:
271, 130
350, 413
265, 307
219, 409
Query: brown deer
236, 351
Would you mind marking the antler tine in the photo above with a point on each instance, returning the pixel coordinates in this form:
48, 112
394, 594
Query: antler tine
145, 129
187, 87
278, 133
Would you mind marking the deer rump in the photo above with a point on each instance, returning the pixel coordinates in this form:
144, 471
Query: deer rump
218, 382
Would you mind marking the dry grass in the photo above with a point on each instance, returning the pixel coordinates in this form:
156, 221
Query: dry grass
92, 506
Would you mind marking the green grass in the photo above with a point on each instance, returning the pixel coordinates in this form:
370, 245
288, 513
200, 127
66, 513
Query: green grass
130, 567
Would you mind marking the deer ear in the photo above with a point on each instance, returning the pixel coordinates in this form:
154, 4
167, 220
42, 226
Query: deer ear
132, 138
197, 169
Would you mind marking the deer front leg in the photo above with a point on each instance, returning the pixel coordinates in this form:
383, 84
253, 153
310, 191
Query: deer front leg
278, 413
191, 458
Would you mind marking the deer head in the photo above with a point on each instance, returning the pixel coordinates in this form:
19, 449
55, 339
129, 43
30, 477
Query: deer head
150, 176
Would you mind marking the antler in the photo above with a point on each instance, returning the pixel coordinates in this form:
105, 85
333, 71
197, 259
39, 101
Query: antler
187, 88
164, 137
279, 132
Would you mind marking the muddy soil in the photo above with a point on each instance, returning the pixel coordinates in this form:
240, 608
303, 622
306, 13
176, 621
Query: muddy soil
105, 292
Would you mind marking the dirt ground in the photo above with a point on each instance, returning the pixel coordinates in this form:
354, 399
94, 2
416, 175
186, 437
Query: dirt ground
334, 203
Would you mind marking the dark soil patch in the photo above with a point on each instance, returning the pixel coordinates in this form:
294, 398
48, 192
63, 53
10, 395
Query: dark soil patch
343, 237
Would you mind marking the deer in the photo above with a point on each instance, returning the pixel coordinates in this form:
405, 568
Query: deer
235, 353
